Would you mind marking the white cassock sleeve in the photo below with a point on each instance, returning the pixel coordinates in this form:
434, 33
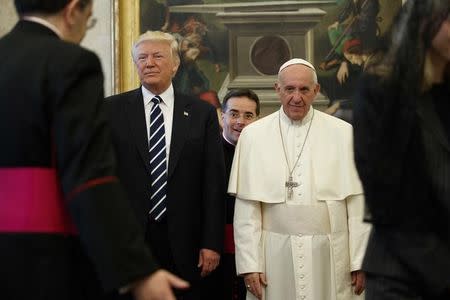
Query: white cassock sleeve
248, 237
358, 231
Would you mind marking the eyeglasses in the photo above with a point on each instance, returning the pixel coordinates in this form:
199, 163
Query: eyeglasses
91, 23
233, 114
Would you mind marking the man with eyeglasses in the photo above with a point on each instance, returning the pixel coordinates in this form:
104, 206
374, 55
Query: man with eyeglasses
239, 108
62, 210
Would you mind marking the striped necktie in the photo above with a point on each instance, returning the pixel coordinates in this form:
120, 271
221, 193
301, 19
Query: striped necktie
158, 162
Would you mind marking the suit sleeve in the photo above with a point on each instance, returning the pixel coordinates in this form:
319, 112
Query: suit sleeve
86, 167
214, 186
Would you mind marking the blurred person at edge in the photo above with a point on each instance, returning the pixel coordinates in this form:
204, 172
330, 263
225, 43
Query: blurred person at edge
402, 153
61, 204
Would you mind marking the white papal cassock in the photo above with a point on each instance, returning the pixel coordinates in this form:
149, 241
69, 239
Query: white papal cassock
307, 245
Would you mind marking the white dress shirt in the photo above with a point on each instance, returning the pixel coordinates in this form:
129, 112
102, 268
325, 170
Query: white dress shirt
166, 106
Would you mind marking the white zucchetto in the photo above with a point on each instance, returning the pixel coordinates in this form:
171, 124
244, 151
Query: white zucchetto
296, 61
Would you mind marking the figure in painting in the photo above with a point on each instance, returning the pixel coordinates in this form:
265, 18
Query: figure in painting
356, 23
194, 43
191, 32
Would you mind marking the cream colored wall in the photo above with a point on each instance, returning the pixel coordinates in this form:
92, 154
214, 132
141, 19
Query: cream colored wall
99, 39
8, 16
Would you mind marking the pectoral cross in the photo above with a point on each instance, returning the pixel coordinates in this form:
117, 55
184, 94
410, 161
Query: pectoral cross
290, 184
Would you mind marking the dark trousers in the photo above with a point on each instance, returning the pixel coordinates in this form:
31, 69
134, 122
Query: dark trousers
158, 240
234, 285
223, 284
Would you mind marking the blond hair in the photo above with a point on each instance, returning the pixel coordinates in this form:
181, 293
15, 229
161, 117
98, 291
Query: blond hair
158, 36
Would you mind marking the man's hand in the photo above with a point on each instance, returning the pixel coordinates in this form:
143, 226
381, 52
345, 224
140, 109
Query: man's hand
255, 282
208, 260
358, 281
158, 286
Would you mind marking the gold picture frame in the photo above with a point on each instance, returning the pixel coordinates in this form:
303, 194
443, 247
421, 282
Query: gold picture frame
126, 30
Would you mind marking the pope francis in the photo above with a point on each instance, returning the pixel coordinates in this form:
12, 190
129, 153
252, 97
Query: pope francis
299, 203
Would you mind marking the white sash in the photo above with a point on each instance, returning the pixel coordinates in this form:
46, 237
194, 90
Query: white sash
296, 219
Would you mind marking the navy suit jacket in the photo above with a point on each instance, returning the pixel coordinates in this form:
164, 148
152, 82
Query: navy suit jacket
196, 173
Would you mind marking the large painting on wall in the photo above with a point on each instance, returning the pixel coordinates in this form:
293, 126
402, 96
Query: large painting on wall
343, 42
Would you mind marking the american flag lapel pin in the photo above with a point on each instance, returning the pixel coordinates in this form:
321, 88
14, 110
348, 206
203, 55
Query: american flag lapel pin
186, 113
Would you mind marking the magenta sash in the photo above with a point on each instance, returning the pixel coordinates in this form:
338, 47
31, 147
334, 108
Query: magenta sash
31, 201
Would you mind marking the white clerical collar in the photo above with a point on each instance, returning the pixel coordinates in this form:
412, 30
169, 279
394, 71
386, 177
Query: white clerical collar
286, 120
167, 96
43, 23
225, 138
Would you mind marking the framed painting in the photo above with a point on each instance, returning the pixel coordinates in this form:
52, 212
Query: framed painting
229, 44
125, 31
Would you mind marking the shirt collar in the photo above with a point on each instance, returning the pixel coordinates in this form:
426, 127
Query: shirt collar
44, 23
223, 135
167, 96
288, 121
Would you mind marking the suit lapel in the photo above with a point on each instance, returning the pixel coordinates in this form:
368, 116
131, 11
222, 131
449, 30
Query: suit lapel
138, 128
180, 129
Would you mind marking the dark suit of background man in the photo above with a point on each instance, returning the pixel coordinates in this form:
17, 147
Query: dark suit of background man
188, 235
239, 108
57, 180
